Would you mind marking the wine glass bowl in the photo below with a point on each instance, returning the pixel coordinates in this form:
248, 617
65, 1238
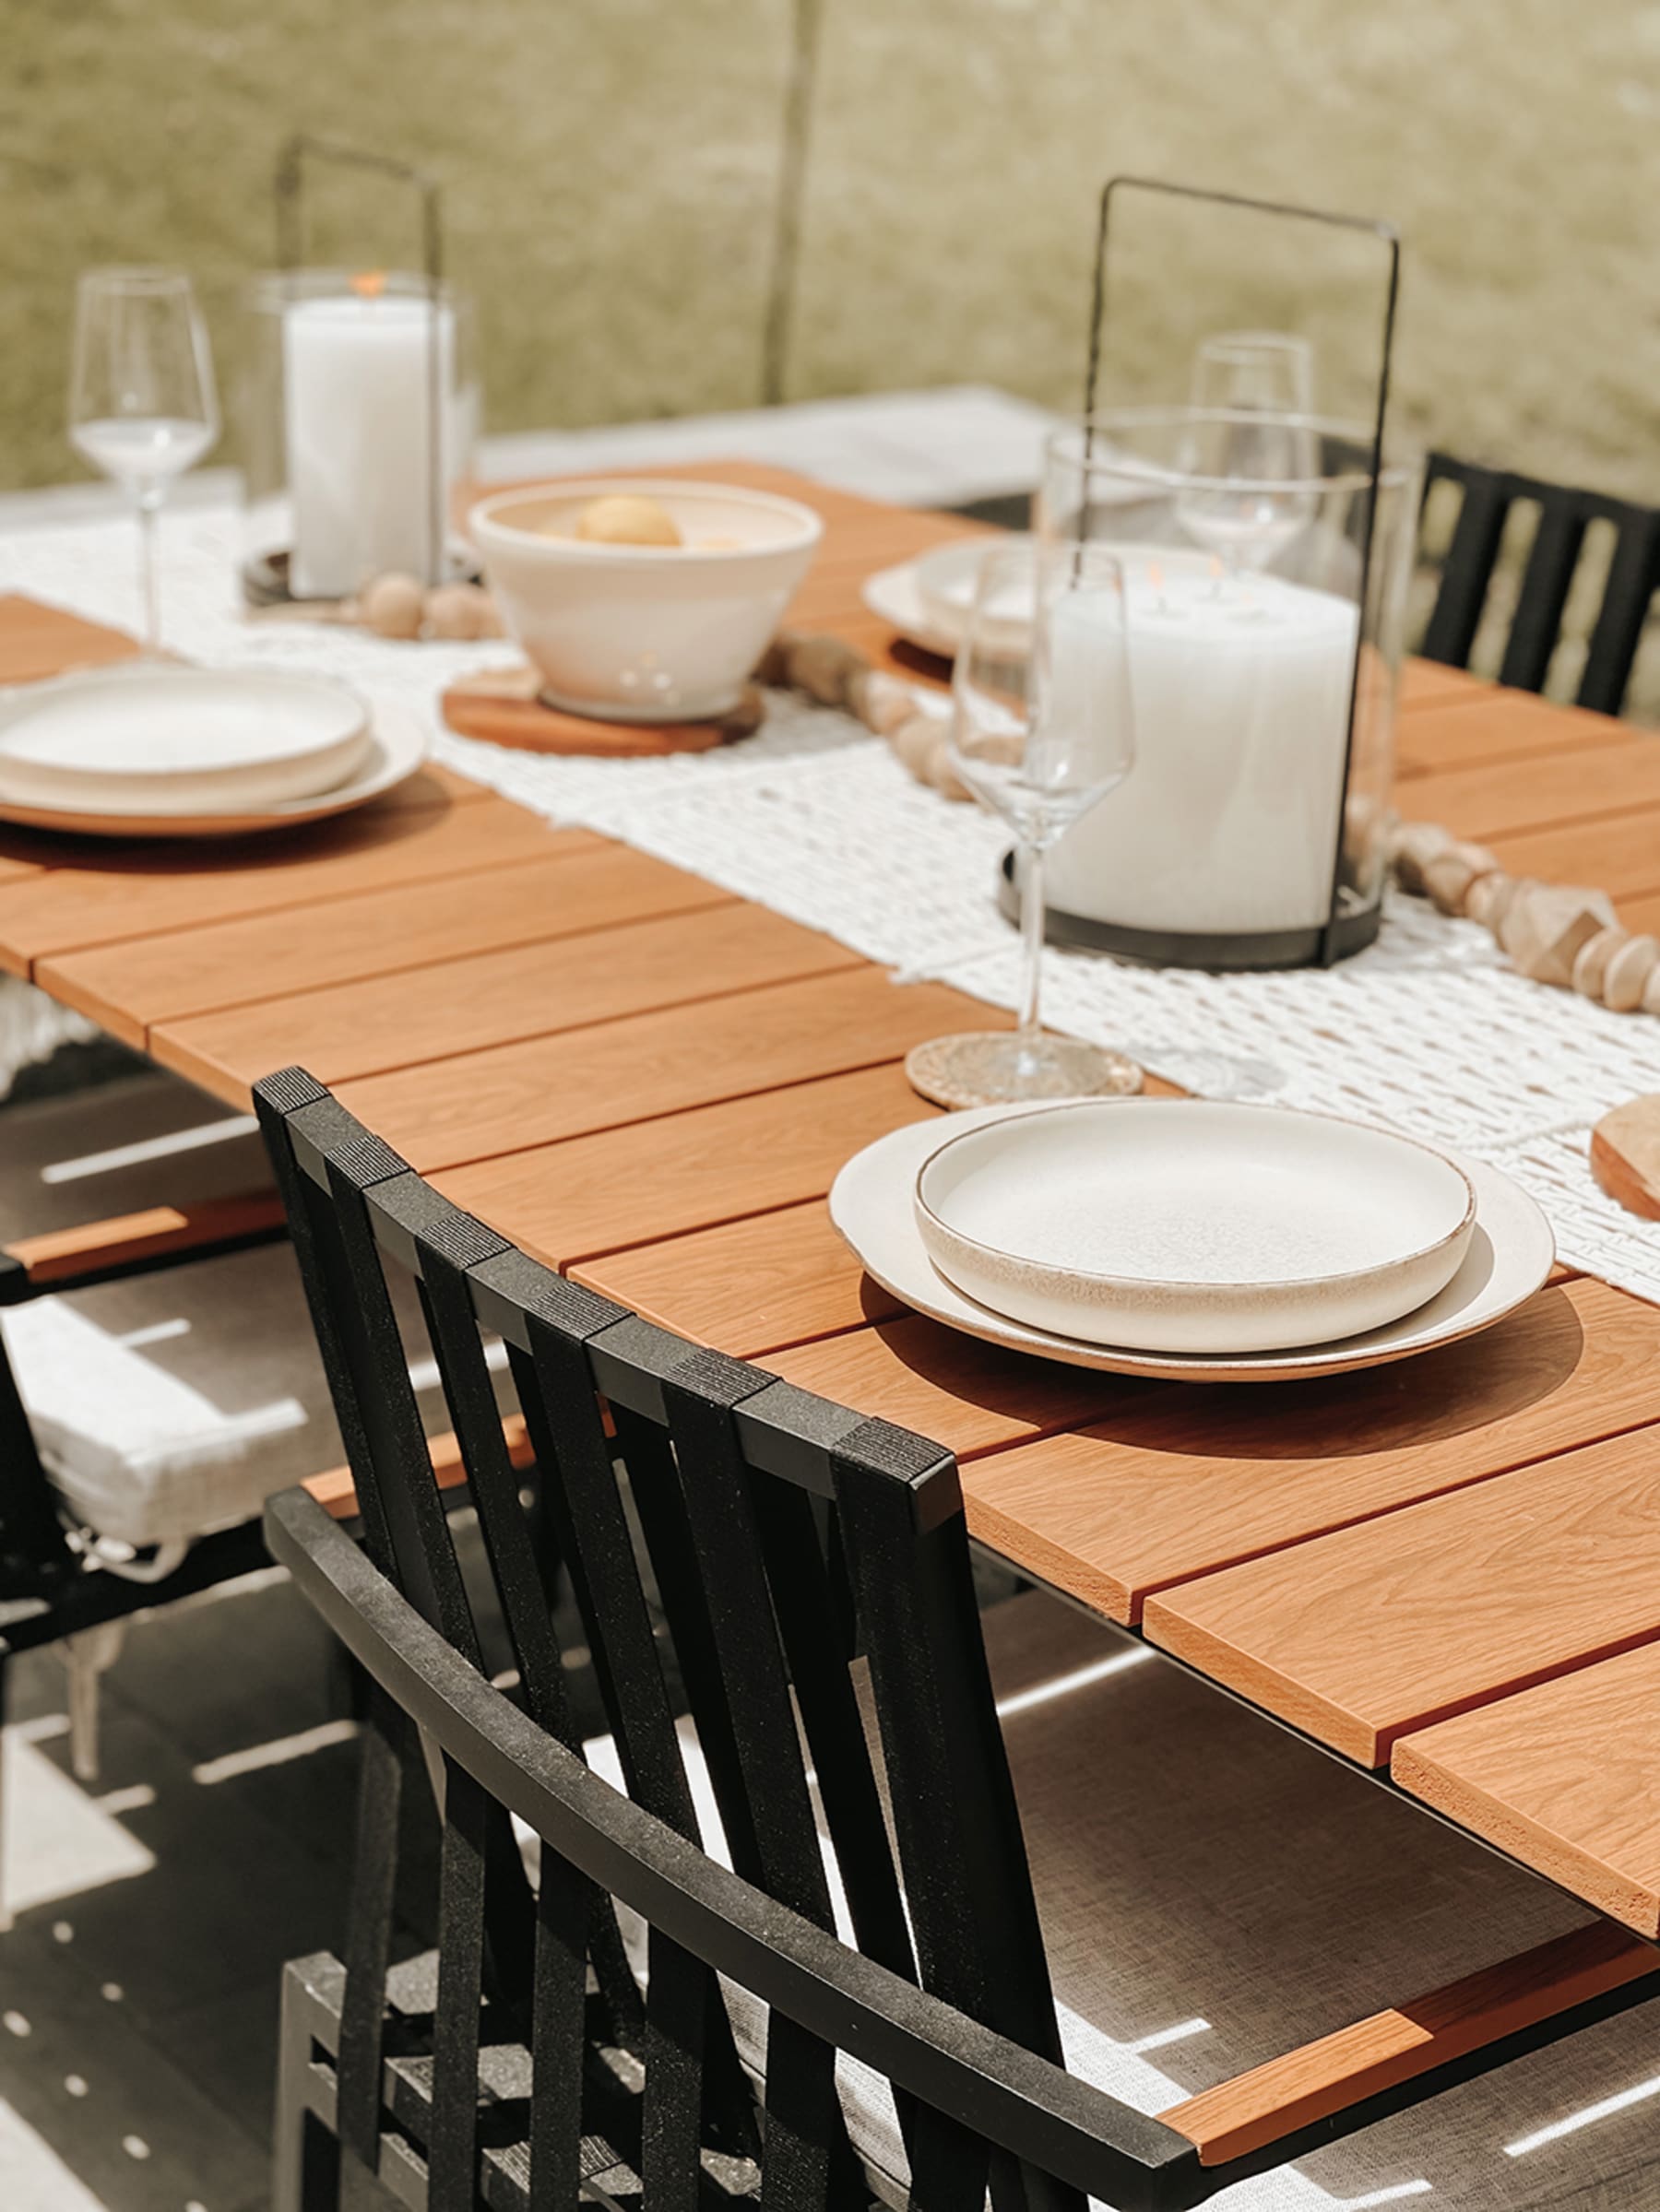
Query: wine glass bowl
1252, 441
142, 405
1041, 730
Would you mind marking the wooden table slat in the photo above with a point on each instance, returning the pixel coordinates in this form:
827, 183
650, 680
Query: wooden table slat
1382, 1629
492, 999
501, 1101
678, 1173
1564, 1776
136, 891
530, 898
1208, 1477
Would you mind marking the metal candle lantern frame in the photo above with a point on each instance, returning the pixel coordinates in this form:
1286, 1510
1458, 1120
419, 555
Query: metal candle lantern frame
265, 579
1346, 928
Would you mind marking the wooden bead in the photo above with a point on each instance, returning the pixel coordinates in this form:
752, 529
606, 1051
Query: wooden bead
1487, 898
881, 702
1546, 927
824, 668
1592, 963
461, 610
1627, 974
771, 667
914, 742
393, 604
1412, 848
1448, 877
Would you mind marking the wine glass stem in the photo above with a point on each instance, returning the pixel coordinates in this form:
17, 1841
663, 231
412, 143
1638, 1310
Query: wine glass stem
1030, 863
149, 506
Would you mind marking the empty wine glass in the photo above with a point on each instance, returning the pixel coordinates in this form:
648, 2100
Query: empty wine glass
1041, 730
141, 400
1251, 444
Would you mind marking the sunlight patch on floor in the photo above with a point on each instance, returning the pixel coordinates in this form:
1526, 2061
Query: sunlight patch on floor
60, 1841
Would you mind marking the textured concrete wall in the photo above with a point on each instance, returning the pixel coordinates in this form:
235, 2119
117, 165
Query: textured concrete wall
611, 167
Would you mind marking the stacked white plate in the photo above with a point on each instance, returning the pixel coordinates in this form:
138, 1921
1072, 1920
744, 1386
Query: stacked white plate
1187, 1237
148, 749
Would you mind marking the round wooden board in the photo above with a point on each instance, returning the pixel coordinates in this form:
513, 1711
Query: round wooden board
503, 708
1625, 1155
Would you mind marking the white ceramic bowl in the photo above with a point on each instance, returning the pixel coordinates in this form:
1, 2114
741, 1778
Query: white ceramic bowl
1188, 1225
644, 632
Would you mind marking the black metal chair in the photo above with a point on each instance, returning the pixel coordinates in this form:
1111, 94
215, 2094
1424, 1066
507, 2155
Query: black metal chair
1565, 515
782, 1536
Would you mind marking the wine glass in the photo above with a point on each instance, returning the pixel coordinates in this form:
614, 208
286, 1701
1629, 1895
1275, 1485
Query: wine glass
141, 398
1041, 730
1252, 441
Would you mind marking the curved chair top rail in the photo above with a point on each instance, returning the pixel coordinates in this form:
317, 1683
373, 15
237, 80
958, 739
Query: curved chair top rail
1036, 2109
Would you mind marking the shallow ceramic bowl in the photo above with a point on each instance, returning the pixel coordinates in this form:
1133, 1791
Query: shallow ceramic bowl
644, 632
1185, 1225
152, 738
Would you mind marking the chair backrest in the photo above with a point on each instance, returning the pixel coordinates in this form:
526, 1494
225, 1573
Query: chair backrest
1564, 516
762, 1539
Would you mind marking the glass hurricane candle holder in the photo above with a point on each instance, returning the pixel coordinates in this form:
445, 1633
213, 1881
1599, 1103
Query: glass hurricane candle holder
360, 415
1253, 834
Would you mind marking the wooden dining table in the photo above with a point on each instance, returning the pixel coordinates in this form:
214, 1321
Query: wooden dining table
1446, 1571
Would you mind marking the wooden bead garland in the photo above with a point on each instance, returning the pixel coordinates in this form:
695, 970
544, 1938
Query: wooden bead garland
1562, 934
396, 606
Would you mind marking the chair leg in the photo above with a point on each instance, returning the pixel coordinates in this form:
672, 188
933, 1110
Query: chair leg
305, 2175
88, 1657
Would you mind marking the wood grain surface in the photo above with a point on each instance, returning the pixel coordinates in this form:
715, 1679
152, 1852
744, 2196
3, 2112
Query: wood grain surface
490, 999
501, 1101
1564, 1777
678, 1171
1201, 1478
531, 898
1363, 1636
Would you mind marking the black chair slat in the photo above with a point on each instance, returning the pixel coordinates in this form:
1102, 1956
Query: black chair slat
967, 1886
950, 2165
817, 1650
1628, 597
526, 1607
655, 1485
567, 1435
1566, 513
565, 1909
806, 2159
1468, 571
453, 2141
680, 1991
1537, 623
770, 1778
370, 1913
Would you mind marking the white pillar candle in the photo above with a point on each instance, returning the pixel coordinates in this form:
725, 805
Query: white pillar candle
357, 391
1229, 821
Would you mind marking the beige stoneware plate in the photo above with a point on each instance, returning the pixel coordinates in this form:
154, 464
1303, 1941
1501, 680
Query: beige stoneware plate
153, 737
1509, 1258
397, 744
1173, 1224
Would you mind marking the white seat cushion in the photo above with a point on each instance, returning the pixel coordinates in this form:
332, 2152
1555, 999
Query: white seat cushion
172, 1405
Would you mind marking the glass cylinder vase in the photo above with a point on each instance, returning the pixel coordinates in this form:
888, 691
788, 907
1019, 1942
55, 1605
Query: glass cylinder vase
360, 413
1266, 579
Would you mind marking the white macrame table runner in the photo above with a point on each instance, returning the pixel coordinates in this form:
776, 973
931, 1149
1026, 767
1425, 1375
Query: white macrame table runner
1428, 1031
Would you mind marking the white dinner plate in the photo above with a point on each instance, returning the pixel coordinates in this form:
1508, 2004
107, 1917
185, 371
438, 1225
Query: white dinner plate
155, 738
1510, 1256
1193, 1224
397, 744
892, 594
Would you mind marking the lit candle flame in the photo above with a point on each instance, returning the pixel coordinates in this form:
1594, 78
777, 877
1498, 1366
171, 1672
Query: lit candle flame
369, 284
